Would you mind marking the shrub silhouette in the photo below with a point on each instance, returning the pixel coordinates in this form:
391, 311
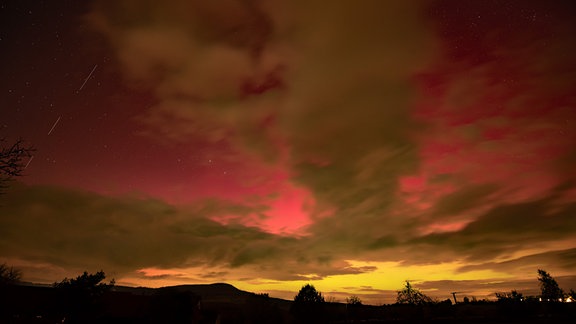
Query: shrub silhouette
512, 296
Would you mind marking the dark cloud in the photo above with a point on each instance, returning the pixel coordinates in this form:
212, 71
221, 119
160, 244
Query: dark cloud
373, 290
161, 277
456, 203
348, 115
255, 253
81, 229
509, 228
214, 274
383, 242
551, 260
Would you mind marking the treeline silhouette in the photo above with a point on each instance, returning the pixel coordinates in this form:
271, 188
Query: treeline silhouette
88, 298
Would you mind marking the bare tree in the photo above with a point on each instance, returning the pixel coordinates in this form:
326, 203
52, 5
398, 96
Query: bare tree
9, 275
353, 300
412, 296
12, 159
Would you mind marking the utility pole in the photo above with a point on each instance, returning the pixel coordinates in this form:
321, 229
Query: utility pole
454, 295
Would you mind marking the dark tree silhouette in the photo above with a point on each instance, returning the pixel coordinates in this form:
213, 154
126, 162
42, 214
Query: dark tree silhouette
512, 296
308, 294
308, 306
549, 287
412, 296
12, 159
80, 295
91, 284
9, 275
572, 294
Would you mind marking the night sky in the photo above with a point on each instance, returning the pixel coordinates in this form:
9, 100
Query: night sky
274, 143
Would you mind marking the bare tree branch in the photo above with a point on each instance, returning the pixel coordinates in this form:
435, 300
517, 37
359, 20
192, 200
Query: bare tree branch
12, 158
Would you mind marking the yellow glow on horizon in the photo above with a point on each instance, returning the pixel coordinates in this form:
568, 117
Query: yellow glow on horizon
388, 276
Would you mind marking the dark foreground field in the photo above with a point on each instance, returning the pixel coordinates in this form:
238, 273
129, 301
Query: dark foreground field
222, 303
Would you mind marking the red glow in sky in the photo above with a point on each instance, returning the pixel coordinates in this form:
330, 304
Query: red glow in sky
428, 139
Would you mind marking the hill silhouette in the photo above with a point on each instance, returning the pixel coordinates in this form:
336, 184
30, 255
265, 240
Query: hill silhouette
210, 292
216, 292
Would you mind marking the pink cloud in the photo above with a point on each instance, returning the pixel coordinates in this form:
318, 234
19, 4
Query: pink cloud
491, 115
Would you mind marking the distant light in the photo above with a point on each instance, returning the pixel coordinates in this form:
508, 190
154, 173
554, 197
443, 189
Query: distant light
540, 299
569, 300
